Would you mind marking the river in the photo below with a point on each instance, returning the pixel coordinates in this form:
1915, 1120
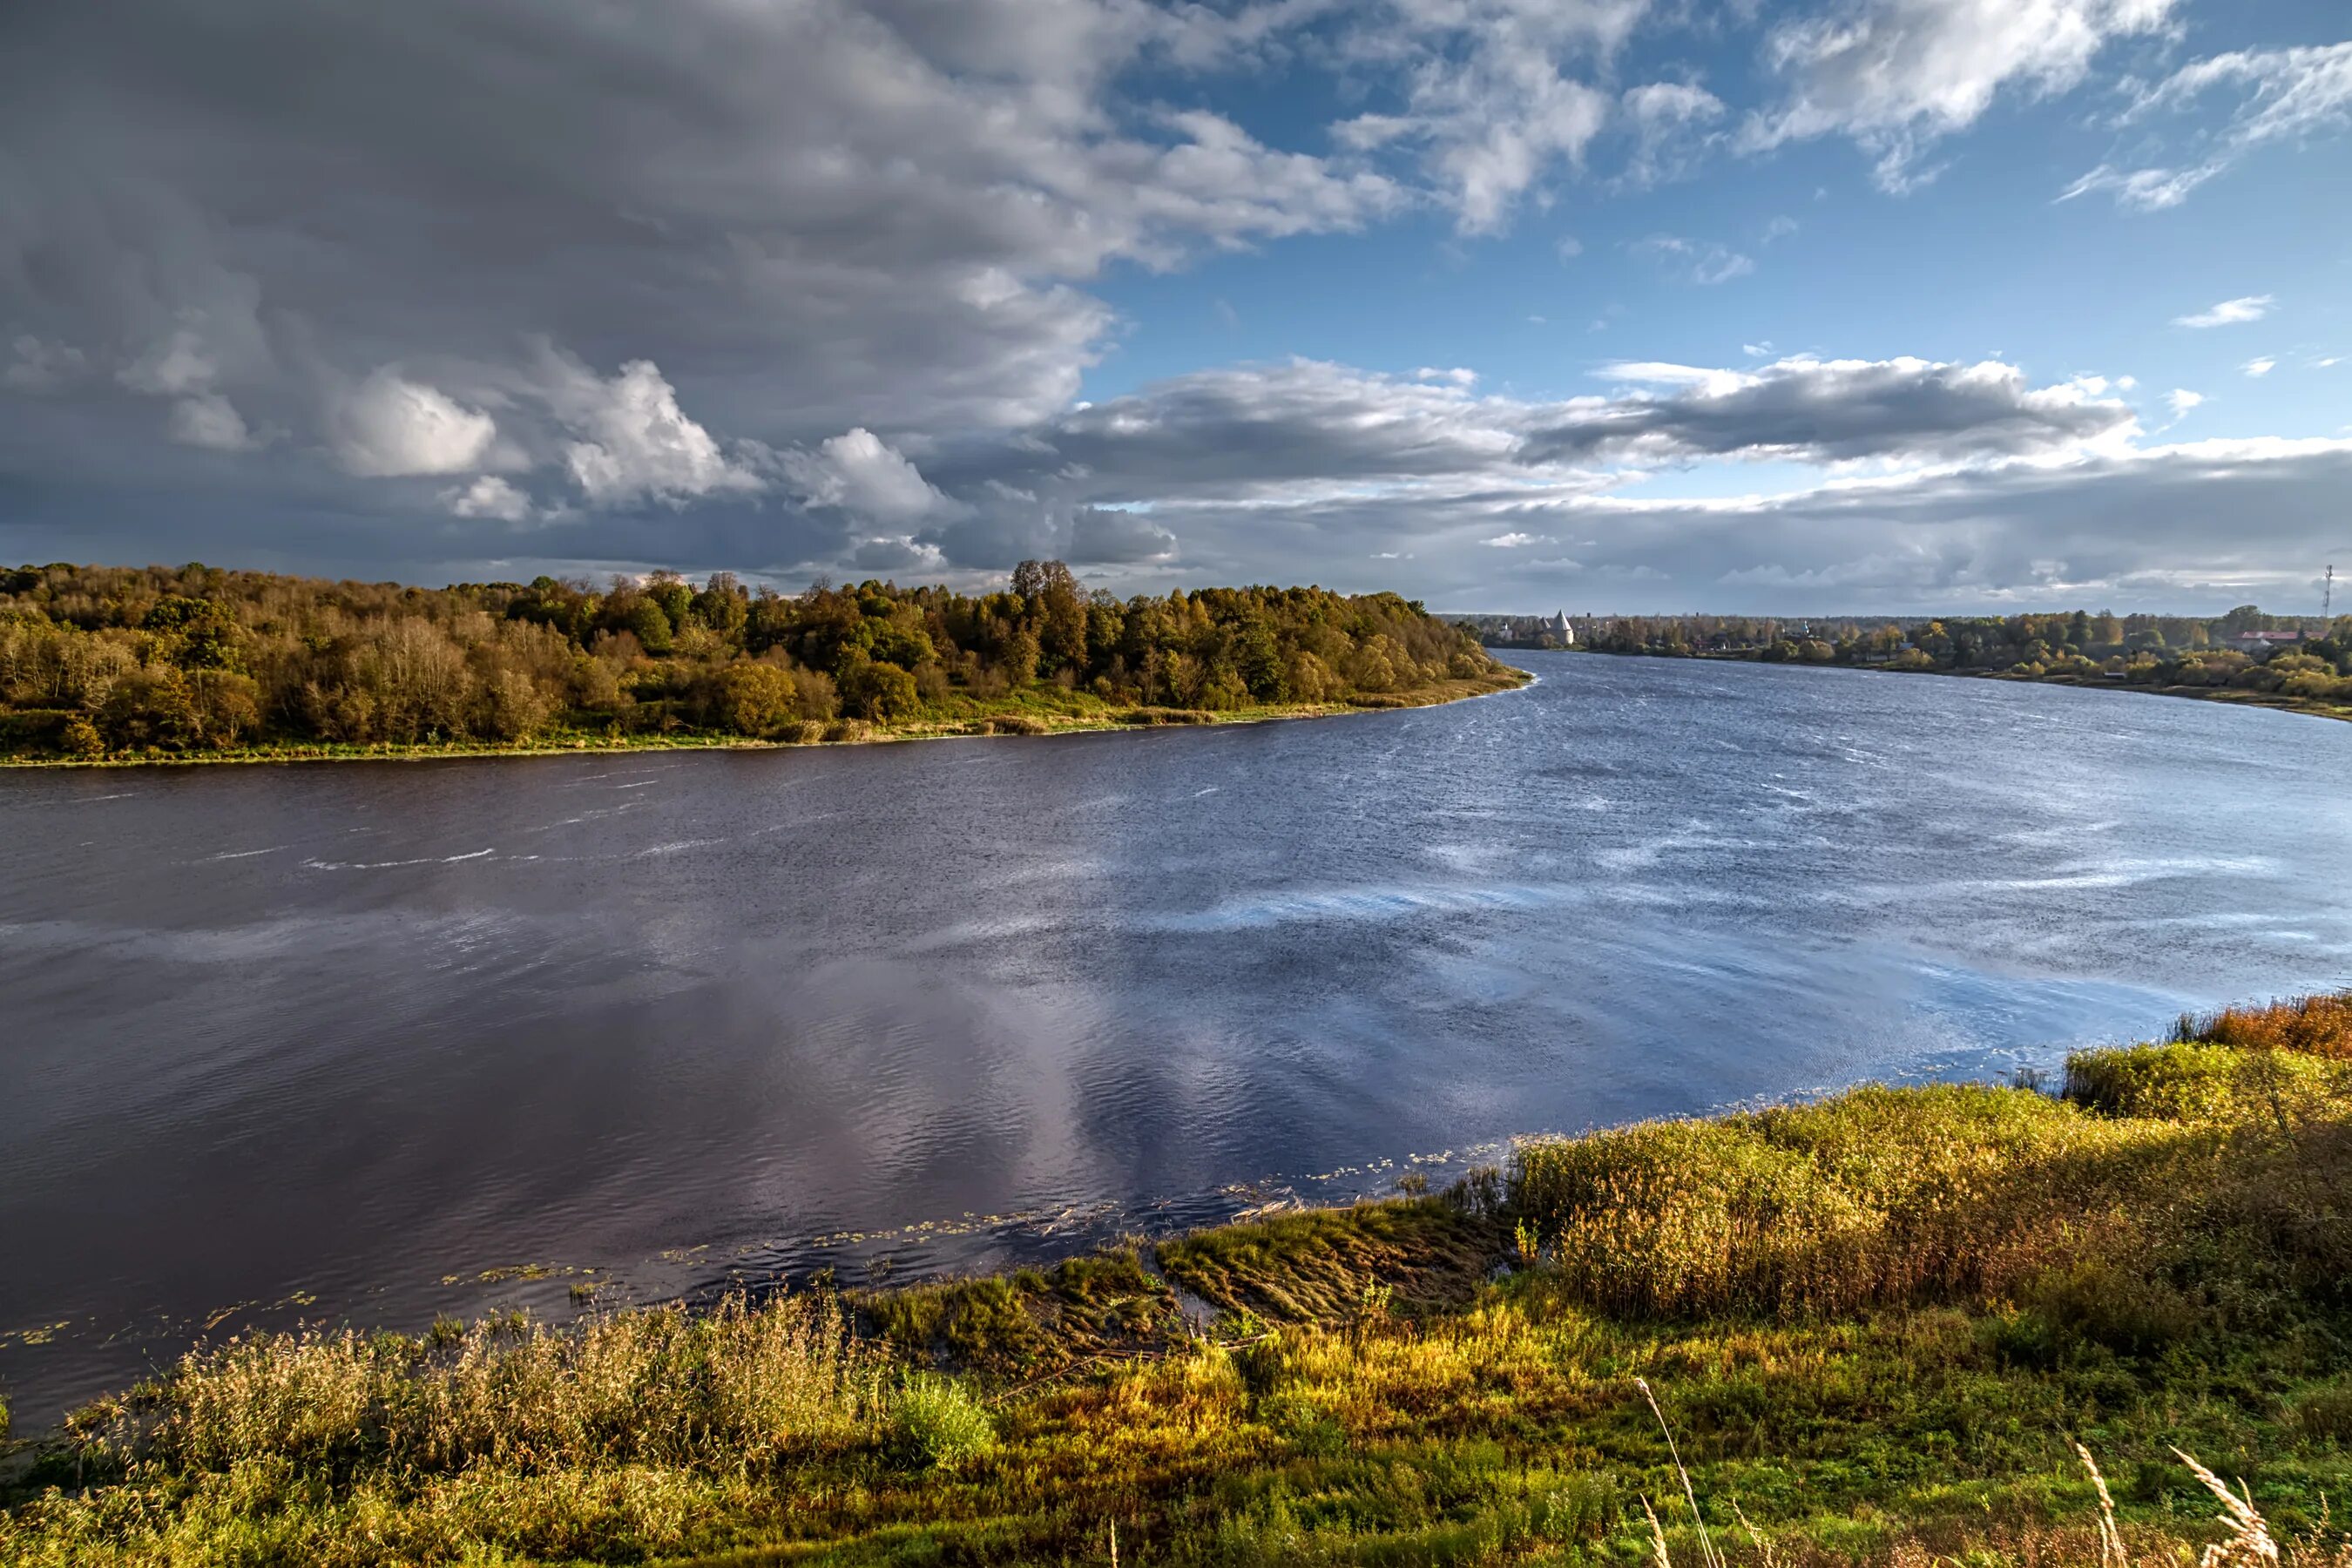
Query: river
370, 1043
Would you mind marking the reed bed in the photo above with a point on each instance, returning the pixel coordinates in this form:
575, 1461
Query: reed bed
740, 1388
2314, 1025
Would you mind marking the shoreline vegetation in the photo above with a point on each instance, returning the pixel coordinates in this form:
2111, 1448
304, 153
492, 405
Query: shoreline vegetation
2099, 1322
111, 666
2293, 664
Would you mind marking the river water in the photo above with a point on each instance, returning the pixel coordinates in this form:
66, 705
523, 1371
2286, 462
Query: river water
372, 1043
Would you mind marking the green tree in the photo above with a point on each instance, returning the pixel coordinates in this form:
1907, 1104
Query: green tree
871, 688
755, 699
650, 624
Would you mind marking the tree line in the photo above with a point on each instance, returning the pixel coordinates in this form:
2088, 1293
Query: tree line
97, 661
2307, 657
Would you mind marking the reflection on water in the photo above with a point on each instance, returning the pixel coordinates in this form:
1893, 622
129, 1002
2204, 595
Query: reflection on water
342, 1040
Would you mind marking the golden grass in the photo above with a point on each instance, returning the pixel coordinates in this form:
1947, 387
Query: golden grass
1876, 1197
740, 1388
1883, 1328
2315, 1026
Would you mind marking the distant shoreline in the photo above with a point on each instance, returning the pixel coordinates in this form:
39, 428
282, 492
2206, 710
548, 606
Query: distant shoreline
1010, 722
2237, 697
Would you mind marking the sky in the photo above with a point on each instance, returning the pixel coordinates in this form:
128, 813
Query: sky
1764, 306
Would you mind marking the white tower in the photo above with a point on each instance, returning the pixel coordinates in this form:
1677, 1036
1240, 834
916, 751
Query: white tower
1566, 632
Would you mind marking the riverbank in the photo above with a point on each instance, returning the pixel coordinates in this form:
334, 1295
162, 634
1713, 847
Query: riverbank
2278, 701
1061, 713
1874, 1329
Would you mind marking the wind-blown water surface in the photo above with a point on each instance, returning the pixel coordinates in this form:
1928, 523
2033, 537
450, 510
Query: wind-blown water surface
314, 1040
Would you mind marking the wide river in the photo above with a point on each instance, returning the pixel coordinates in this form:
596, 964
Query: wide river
337, 1042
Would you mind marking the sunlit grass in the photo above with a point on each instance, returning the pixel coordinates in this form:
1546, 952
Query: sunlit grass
1871, 1330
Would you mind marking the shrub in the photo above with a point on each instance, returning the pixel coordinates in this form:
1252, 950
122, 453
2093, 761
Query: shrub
940, 1421
2325, 1415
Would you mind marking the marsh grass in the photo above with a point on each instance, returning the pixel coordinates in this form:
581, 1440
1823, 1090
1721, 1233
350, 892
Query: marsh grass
1872, 1330
2313, 1025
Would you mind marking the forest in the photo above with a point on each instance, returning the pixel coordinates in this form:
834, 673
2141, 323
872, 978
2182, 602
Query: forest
100, 662
2303, 660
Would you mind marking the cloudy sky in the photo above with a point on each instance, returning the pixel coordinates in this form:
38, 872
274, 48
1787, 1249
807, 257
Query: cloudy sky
1776, 305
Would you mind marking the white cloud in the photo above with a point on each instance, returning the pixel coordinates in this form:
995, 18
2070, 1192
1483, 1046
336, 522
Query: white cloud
1456, 376
2142, 190
2229, 312
2181, 400
1896, 75
2291, 95
897, 553
863, 475
389, 426
1518, 541
1697, 261
1490, 107
1568, 247
1671, 124
634, 443
2261, 365
488, 497
209, 420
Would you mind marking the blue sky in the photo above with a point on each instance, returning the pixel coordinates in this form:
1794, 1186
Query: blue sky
1509, 304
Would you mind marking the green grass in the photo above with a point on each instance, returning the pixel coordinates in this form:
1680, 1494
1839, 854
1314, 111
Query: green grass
1875, 1327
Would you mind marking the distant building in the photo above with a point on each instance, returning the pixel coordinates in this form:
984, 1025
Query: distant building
1562, 630
2261, 645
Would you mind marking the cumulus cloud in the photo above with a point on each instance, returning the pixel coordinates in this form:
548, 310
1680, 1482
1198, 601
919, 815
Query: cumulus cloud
899, 553
2229, 312
632, 442
2181, 400
389, 426
209, 420
1493, 104
2261, 365
862, 474
488, 497
1898, 75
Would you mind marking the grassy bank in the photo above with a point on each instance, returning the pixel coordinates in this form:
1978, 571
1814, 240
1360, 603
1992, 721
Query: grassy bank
1870, 1329
1028, 714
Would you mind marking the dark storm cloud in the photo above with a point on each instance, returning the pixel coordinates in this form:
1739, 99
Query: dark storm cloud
441, 239
1834, 411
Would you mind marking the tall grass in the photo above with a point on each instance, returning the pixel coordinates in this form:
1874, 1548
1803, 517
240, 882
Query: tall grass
740, 1388
2315, 1026
1878, 1197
